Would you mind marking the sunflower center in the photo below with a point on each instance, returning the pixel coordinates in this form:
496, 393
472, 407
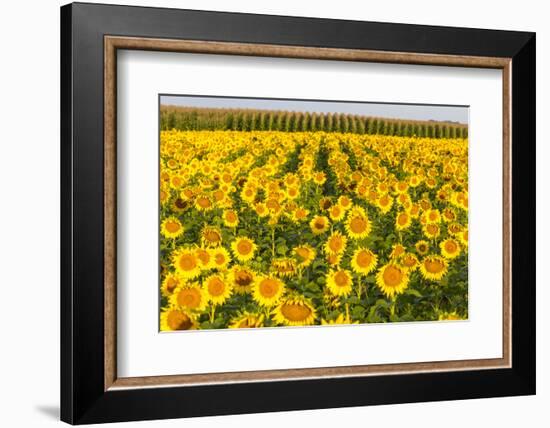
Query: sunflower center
336, 243
216, 286
451, 247
204, 202
402, 219
392, 276
269, 287
189, 297
178, 321
243, 278
172, 226
180, 203
244, 247
364, 259
187, 262
300, 213
220, 259
341, 279
409, 261
303, 252
434, 265
432, 229
358, 224
295, 311
203, 256
171, 283
212, 236
231, 217
433, 216
319, 224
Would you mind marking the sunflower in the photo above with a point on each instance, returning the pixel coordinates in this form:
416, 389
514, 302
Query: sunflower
261, 210
339, 282
205, 258
189, 296
432, 216
230, 218
463, 238
397, 251
402, 221
358, 224
325, 203
211, 236
203, 203
319, 178
243, 248
247, 320
415, 181
333, 259
433, 267
284, 267
294, 311
242, 279
171, 227
363, 261
299, 214
345, 202
164, 196
179, 205
401, 187
336, 212
448, 215
186, 263
410, 261
319, 224
248, 194
217, 289
392, 279
169, 283
292, 192
336, 243
340, 319
422, 247
384, 203
220, 258
304, 255
454, 228
172, 319
414, 210
450, 316
431, 230
450, 248
267, 290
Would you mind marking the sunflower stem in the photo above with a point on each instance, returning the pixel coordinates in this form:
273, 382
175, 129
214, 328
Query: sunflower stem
273, 241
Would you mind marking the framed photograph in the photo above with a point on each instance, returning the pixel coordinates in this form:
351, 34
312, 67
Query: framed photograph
265, 213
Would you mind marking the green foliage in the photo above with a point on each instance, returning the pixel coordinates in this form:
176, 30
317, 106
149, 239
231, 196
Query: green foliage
190, 119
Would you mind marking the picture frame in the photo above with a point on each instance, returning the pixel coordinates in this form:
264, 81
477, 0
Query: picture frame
91, 36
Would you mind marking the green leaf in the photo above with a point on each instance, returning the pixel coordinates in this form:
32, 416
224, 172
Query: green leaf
413, 292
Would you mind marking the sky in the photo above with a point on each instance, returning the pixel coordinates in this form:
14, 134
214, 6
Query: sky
387, 110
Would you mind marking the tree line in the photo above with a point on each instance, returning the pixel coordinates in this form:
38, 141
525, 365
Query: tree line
192, 119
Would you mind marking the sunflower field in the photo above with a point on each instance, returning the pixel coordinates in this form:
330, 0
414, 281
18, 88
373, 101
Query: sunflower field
274, 228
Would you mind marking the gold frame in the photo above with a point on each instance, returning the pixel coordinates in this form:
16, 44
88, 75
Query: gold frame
113, 43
